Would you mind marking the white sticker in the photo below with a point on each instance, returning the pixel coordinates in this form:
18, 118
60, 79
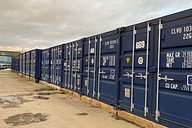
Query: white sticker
92, 61
127, 92
86, 82
92, 50
140, 60
78, 81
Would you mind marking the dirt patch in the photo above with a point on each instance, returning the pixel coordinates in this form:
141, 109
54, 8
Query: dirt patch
27, 94
82, 114
12, 101
122, 119
40, 97
49, 92
44, 89
25, 119
63, 98
95, 107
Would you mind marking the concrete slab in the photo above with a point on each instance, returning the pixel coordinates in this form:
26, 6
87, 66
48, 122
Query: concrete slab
62, 110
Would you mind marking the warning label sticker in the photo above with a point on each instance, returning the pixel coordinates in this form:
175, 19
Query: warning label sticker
189, 80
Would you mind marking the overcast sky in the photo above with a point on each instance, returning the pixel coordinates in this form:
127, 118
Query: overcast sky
28, 24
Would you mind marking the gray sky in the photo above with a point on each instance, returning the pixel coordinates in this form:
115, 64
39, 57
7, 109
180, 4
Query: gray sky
28, 24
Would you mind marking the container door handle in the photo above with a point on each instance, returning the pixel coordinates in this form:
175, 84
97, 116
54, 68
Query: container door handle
141, 76
102, 72
165, 78
128, 75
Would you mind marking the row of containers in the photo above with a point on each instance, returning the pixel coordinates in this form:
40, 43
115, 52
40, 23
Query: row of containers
145, 69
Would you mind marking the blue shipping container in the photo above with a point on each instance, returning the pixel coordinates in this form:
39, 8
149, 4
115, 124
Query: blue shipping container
35, 64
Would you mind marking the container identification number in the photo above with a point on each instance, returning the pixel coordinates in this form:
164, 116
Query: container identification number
140, 44
186, 30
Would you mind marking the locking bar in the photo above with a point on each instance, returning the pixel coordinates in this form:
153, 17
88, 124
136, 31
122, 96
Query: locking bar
95, 58
166, 78
141, 76
72, 66
146, 70
66, 66
69, 66
132, 71
76, 66
88, 74
128, 75
157, 113
99, 74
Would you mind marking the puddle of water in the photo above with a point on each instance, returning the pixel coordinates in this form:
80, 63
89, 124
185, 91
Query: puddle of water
12, 101
40, 97
82, 114
25, 119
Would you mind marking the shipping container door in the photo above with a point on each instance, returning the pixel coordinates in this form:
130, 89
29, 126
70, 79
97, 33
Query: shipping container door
58, 65
136, 69
28, 63
90, 63
76, 66
33, 62
46, 65
52, 64
24, 63
21, 63
67, 66
108, 67
174, 72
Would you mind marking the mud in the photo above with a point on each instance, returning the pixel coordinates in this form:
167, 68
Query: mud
82, 114
44, 89
49, 92
40, 97
25, 119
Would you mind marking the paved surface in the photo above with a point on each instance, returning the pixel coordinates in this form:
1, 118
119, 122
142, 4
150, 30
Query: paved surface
25, 104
